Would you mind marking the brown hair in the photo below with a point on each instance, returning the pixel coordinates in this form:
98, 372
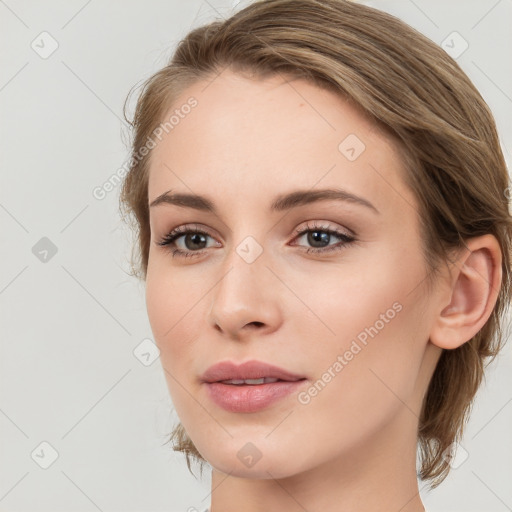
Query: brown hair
408, 85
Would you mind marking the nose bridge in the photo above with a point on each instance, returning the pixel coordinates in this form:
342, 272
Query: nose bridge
245, 295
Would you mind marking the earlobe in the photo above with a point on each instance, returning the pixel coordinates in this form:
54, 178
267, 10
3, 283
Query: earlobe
471, 291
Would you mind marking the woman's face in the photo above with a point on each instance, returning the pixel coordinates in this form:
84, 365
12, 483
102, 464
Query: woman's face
352, 319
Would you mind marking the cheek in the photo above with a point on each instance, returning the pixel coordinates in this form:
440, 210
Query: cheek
172, 307
176, 304
375, 321
363, 378
348, 300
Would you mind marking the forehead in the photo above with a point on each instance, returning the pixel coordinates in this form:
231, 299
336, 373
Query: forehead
279, 131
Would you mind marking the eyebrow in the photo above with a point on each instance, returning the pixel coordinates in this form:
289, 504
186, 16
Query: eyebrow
281, 203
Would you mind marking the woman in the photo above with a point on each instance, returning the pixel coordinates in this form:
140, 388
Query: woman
322, 214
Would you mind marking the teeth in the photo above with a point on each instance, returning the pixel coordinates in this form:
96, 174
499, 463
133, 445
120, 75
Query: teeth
241, 382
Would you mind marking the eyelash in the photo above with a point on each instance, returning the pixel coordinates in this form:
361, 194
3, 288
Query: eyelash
169, 239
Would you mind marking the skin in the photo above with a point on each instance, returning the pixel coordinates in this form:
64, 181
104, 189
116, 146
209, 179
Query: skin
353, 446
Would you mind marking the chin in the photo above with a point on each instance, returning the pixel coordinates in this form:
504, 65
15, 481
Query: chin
261, 470
252, 460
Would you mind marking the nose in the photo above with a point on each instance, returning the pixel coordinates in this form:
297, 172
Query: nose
246, 300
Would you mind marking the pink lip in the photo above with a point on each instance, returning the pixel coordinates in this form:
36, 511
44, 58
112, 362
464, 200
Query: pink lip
249, 397
226, 370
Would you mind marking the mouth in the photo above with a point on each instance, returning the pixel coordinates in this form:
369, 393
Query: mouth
249, 387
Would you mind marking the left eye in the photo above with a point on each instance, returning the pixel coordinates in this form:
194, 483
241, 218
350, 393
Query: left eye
323, 236
194, 237
318, 234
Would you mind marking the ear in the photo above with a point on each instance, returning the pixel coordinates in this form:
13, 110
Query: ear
469, 294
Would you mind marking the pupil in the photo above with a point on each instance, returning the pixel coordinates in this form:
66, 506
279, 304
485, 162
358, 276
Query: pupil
318, 236
196, 239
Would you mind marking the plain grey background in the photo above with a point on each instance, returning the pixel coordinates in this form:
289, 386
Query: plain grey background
84, 407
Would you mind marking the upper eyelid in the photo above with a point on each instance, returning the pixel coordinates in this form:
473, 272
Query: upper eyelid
315, 224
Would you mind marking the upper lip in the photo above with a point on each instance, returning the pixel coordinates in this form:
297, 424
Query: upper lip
227, 370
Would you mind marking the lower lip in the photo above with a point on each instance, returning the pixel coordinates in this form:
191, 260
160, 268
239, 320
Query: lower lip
250, 398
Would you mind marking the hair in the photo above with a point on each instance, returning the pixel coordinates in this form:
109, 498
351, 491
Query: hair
416, 92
